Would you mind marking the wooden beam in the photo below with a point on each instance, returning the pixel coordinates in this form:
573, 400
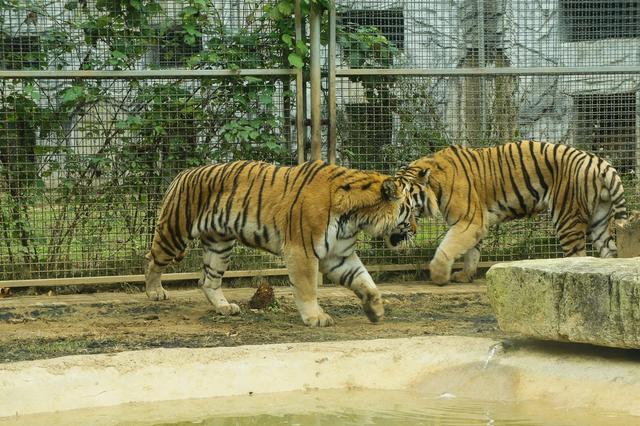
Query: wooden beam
185, 276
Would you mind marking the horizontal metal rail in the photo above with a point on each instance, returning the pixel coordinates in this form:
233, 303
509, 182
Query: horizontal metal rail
141, 74
344, 72
185, 276
488, 71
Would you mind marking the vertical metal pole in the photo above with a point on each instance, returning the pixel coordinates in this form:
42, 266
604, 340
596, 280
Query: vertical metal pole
316, 99
316, 133
637, 151
482, 64
331, 146
300, 104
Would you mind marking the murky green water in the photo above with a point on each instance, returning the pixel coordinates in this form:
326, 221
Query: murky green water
339, 408
429, 412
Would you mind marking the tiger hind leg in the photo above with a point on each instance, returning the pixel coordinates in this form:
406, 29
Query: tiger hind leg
351, 273
215, 257
153, 274
572, 234
600, 232
471, 259
460, 239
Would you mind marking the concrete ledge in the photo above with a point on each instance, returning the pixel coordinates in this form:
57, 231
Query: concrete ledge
429, 366
169, 374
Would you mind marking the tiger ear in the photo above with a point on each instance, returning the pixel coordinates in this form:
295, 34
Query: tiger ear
389, 190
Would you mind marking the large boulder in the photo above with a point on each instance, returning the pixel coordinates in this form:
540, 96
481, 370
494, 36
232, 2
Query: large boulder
579, 299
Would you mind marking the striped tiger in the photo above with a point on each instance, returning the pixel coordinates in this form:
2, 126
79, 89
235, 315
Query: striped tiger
477, 188
309, 214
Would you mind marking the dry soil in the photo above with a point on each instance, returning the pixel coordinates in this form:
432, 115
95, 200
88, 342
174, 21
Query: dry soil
37, 327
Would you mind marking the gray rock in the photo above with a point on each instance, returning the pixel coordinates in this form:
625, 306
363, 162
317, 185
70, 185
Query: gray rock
579, 299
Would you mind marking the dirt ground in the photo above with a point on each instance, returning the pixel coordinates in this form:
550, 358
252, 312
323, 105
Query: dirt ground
37, 327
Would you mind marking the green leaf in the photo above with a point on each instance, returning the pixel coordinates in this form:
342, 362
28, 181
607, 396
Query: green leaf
213, 57
189, 39
191, 29
302, 47
193, 61
189, 10
118, 54
285, 8
266, 99
134, 120
296, 60
287, 39
274, 13
72, 93
31, 92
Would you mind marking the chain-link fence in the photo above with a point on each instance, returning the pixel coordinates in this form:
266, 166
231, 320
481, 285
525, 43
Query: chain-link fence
416, 76
84, 161
103, 102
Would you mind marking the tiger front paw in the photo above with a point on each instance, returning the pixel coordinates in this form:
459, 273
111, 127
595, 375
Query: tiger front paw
461, 277
159, 293
228, 309
439, 275
321, 320
373, 308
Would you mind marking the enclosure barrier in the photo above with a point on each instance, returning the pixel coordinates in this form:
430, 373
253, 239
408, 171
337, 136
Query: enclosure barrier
103, 103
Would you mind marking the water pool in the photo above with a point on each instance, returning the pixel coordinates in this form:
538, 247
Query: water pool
330, 407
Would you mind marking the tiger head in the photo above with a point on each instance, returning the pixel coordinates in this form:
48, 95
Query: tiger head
420, 201
424, 199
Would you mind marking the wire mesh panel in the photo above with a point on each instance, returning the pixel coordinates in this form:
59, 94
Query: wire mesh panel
501, 33
144, 34
388, 118
84, 162
81, 182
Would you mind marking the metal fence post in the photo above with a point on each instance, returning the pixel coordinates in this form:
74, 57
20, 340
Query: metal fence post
482, 62
316, 131
331, 143
300, 88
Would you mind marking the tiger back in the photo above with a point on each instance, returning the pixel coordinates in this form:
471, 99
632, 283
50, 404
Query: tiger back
309, 214
477, 188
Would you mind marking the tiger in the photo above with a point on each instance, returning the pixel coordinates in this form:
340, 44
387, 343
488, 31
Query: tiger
477, 188
309, 214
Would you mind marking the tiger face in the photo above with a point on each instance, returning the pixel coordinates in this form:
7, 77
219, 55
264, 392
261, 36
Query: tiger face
420, 202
